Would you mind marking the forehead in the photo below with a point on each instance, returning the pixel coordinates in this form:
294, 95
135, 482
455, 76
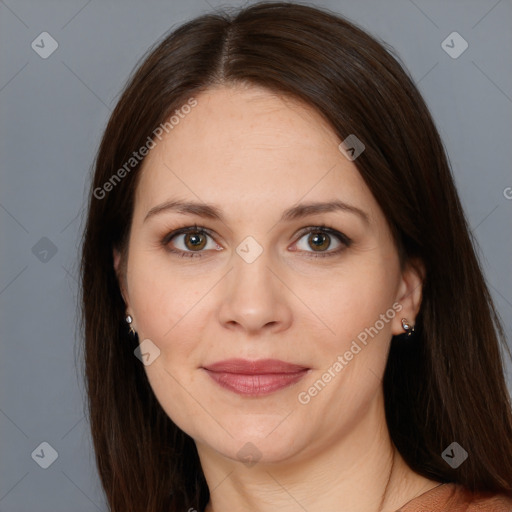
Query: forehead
250, 146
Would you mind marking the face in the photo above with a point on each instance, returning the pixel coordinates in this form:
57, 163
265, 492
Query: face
259, 277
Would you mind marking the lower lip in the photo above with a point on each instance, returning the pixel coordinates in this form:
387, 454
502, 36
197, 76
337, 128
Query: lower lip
256, 385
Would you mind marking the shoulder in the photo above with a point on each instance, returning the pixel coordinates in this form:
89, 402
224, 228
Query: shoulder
489, 502
456, 498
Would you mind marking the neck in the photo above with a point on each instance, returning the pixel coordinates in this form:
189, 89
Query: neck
358, 472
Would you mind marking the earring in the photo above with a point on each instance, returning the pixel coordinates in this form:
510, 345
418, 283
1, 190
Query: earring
129, 321
408, 328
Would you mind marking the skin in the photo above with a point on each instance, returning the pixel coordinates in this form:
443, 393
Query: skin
254, 154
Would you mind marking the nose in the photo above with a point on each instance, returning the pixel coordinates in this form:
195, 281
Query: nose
255, 297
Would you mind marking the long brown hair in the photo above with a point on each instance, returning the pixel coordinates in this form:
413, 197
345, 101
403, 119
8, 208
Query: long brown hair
447, 385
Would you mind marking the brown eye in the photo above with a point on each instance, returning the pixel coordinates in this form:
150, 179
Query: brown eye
195, 241
319, 240
190, 241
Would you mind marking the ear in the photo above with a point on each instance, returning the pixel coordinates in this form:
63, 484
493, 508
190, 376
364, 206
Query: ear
121, 278
410, 291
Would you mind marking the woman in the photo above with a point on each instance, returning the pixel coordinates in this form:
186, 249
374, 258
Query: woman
282, 304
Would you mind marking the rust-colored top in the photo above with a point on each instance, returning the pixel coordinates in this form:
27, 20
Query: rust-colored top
452, 497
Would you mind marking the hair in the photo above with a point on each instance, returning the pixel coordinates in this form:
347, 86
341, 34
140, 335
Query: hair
445, 384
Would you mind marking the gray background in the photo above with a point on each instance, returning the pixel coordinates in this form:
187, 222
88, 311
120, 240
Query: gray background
52, 114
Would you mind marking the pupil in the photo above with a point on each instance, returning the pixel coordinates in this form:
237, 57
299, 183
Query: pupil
319, 240
195, 241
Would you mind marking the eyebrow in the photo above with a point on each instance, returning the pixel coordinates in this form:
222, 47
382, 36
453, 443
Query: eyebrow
211, 211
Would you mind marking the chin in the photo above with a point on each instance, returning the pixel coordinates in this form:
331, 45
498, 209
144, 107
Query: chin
253, 443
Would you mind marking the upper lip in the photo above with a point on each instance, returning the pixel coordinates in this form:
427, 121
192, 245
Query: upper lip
257, 367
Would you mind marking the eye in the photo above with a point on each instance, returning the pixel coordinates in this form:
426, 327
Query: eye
189, 241
320, 238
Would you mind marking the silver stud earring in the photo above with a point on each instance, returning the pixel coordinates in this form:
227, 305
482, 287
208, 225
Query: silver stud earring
129, 321
407, 327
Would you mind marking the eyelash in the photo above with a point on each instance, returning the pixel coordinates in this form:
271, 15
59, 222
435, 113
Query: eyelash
345, 240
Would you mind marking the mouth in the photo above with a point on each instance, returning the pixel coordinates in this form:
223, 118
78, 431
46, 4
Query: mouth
255, 378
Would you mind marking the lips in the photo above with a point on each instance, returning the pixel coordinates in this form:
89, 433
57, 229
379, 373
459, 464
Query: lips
255, 378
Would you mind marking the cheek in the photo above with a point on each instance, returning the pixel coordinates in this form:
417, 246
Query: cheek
166, 311
359, 309
353, 300
161, 309
160, 299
